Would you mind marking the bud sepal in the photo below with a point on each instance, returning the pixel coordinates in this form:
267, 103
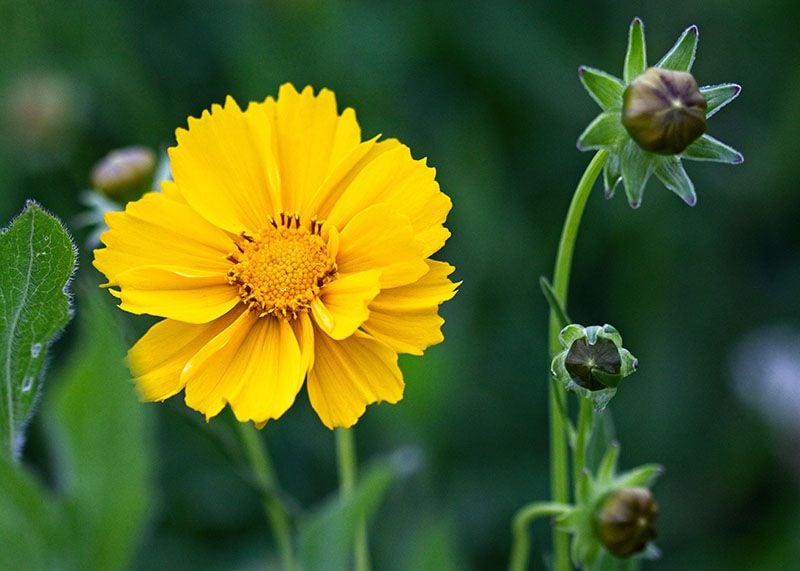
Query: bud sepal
654, 117
593, 362
614, 514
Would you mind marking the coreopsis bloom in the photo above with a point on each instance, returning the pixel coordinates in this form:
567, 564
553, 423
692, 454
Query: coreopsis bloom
285, 250
654, 117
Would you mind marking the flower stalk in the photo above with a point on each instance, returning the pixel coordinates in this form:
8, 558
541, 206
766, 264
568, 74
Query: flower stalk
264, 474
347, 463
559, 468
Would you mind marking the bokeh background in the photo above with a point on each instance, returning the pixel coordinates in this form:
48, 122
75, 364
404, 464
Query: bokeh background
705, 297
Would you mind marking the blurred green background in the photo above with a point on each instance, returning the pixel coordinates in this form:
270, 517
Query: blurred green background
489, 92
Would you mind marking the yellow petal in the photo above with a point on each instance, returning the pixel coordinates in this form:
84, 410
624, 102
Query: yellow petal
304, 332
158, 358
273, 374
379, 238
192, 296
343, 305
221, 166
214, 373
408, 186
160, 231
406, 318
311, 140
350, 374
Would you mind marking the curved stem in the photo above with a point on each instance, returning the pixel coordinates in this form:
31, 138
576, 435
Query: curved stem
276, 512
521, 547
559, 476
346, 457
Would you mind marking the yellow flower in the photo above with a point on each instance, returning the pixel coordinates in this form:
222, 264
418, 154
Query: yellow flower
286, 249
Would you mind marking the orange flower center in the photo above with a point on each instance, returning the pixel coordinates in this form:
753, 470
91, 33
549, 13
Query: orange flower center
282, 269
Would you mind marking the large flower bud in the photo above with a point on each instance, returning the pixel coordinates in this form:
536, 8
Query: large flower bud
664, 111
124, 171
626, 521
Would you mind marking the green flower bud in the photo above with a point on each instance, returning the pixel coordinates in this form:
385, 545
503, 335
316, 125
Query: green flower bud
664, 111
626, 521
124, 171
593, 362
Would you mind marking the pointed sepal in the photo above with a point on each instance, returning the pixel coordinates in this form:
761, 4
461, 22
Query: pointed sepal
603, 87
681, 56
707, 148
671, 173
636, 56
718, 96
602, 133
636, 168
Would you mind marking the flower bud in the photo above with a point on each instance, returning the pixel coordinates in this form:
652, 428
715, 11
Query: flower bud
593, 362
626, 521
664, 111
124, 171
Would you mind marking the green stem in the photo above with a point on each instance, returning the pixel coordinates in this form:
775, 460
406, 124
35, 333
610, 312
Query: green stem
276, 512
521, 547
584, 432
559, 476
346, 456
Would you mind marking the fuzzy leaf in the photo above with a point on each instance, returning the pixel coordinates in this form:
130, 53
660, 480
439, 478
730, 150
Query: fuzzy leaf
636, 57
38, 259
643, 476
636, 168
707, 148
603, 87
602, 133
553, 301
671, 173
718, 96
681, 56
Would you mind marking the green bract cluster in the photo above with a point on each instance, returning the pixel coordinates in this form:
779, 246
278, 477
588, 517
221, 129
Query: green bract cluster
653, 118
613, 513
593, 362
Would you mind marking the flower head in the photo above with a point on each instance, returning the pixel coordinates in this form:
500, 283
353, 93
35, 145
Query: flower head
285, 250
654, 117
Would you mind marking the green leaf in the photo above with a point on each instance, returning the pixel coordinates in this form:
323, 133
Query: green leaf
38, 259
681, 56
718, 96
603, 87
636, 169
326, 539
101, 440
31, 533
553, 302
671, 173
707, 148
603, 132
636, 57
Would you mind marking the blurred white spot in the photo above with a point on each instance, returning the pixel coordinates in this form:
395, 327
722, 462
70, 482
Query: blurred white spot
36, 348
765, 369
27, 384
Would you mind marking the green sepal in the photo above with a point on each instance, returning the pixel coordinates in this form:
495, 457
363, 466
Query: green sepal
636, 167
636, 56
603, 87
718, 96
603, 132
707, 148
612, 175
643, 476
681, 56
669, 170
